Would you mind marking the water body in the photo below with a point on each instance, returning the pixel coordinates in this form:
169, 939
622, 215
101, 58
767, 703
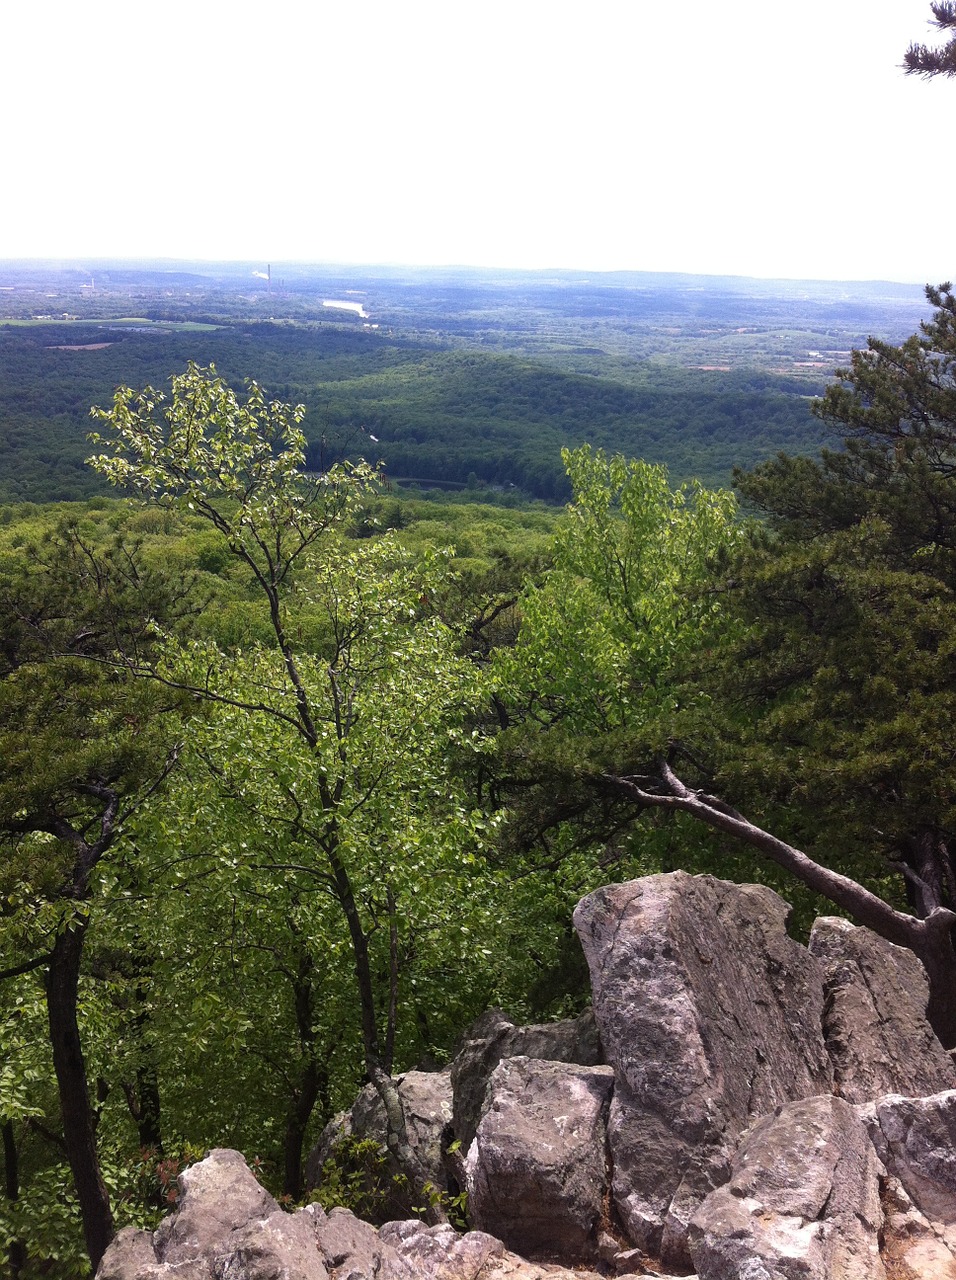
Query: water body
347, 306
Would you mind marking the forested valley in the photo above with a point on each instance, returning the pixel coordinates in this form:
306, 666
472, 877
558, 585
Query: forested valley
302, 771
457, 382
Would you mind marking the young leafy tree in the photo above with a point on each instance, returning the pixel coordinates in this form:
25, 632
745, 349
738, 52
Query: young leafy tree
592, 673
351, 725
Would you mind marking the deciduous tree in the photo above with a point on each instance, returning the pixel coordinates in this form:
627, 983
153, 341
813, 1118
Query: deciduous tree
349, 725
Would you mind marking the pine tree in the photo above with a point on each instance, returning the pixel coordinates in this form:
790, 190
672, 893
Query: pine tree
921, 60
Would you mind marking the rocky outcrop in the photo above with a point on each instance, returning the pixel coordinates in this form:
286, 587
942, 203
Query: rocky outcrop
226, 1227
874, 1019
768, 1112
710, 1016
537, 1169
915, 1138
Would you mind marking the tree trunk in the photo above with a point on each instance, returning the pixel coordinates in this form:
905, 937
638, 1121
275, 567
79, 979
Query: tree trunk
937, 953
397, 1142
79, 1120
298, 1115
16, 1252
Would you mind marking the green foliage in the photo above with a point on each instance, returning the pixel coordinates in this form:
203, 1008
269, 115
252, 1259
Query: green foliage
625, 602
359, 1176
920, 59
834, 703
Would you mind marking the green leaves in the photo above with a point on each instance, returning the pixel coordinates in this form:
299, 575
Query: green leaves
627, 598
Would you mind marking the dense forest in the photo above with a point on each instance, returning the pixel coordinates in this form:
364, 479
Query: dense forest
300, 775
461, 383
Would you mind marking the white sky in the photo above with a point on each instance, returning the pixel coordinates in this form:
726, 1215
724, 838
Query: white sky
723, 136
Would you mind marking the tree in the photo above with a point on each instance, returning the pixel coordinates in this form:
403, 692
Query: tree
831, 701
82, 746
593, 670
921, 60
351, 724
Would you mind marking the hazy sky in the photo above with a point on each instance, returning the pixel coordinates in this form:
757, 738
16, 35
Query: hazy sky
725, 136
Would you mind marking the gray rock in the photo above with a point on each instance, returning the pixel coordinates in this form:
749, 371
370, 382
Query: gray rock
440, 1253
494, 1037
225, 1227
874, 1021
217, 1196
916, 1140
710, 1016
802, 1202
537, 1168
912, 1245
351, 1249
130, 1254
280, 1247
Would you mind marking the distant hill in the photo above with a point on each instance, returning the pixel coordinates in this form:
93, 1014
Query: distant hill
457, 376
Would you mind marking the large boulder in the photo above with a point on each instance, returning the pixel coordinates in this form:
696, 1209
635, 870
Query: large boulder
711, 1017
874, 1020
537, 1169
217, 1196
494, 1037
225, 1225
802, 1202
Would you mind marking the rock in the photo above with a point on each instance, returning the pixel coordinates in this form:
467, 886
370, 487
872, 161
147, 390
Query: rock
874, 1020
916, 1140
440, 1253
802, 1202
426, 1097
217, 1196
280, 1247
912, 1248
130, 1254
338, 1129
352, 1249
537, 1173
225, 1227
494, 1037
710, 1016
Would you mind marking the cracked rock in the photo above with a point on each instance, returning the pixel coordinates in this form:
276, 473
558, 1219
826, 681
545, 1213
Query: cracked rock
537, 1167
874, 1020
802, 1202
710, 1016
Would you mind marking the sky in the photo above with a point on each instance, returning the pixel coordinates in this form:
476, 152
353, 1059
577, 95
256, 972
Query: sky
743, 137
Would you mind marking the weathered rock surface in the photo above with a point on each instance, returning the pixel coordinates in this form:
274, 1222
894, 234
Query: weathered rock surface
225, 1227
752, 1113
537, 1169
427, 1099
874, 1020
710, 1016
915, 1138
802, 1202
494, 1037
213, 1239
217, 1196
